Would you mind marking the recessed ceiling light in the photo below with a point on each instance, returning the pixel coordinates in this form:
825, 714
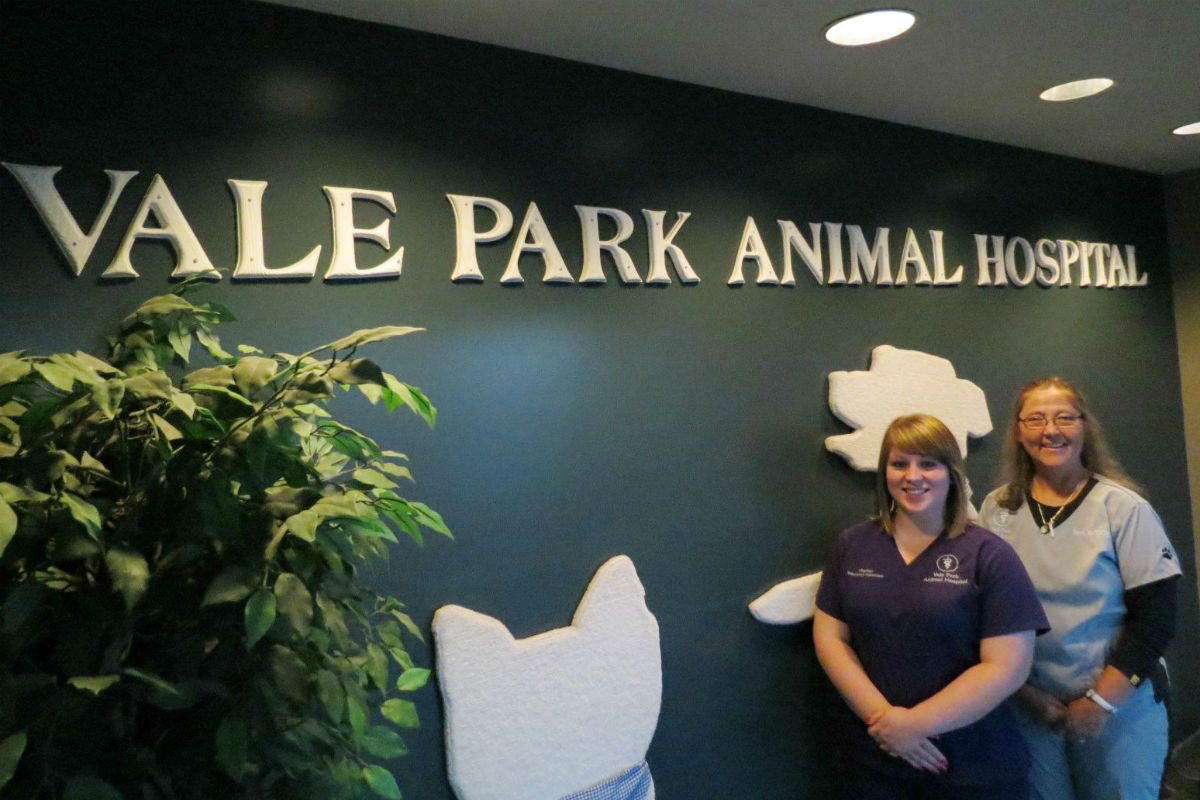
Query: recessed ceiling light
870, 27
1076, 89
1188, 130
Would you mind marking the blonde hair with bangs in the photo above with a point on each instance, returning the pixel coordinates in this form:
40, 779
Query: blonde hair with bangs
926, 436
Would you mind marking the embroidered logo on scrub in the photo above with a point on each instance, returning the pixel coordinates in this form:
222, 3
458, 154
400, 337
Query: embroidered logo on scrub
864, 572
1001, 520
947, 571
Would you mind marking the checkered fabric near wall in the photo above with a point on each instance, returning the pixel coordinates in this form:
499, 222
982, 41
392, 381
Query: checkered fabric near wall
635, 784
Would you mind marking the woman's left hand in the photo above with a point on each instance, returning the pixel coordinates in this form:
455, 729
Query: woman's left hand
1084, 719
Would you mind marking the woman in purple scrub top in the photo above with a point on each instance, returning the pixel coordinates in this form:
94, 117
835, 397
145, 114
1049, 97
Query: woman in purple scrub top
1093, 710
925, 623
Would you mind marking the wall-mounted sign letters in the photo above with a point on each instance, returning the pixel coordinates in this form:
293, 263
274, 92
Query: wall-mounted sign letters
833, 253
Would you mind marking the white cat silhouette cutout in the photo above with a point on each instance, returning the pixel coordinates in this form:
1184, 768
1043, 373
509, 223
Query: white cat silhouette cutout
556, 713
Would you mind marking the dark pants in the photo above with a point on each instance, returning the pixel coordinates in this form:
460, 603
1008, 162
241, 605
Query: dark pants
867, 784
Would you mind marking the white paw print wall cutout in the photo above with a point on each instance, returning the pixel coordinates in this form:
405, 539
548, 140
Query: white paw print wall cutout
899, 382
568, 711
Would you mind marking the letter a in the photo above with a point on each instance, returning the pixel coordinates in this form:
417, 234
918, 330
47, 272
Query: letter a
190, 258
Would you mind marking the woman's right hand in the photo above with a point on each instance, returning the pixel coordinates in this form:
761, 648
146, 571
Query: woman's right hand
1044, 706
896, 738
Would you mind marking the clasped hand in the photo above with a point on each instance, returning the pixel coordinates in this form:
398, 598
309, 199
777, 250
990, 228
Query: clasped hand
1079, 719
1083, 719
897, 732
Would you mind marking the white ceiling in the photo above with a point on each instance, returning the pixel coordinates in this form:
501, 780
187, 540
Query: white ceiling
970, 67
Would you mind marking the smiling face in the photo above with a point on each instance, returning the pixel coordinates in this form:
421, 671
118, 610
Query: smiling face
1053, 449
919, 485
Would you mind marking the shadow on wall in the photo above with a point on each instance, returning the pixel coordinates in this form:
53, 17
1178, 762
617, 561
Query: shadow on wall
1181, 781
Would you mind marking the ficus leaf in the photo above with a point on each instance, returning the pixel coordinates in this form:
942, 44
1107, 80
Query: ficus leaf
90, 462
8, 524
251, 373
11, 748
290, 672
412, 679
384, 742
84, 513
93, 683
294, 602
13, 367
80, 369
399, 470
154, 681
129, 572
232, 746
212, 344
304, 524
205, 387
231, 584
19, 494
259, 616
184, 402
357, 371
91, 362
333, 619
162, 304
154, 383
401, 657
356, 709
402, 713
333, 697
89, 787
221, 376
412, 397
381, 782
373, 478
368, 335
181, 342
70, 546
408, 623
56, 375
430, 518
169, 431
377, 666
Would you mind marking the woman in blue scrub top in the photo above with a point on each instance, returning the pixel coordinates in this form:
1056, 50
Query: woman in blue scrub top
1093, 709
925, 623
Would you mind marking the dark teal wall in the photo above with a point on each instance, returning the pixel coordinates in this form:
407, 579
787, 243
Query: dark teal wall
681, 425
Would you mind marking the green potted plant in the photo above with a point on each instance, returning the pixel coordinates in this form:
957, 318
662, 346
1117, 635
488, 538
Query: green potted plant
181, 609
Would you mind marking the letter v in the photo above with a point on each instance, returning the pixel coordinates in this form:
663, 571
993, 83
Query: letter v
38, 183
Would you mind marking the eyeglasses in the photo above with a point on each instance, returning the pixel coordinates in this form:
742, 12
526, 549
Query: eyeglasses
1064, 421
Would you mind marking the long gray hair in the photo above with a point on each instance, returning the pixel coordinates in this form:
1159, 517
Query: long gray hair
1017, 469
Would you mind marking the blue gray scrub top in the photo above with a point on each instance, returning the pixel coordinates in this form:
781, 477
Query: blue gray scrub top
1113, 541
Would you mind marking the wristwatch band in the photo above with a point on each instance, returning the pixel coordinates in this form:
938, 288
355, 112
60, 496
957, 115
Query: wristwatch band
1099, 700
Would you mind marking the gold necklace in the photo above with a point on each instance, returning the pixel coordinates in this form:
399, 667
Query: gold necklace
1048, 524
